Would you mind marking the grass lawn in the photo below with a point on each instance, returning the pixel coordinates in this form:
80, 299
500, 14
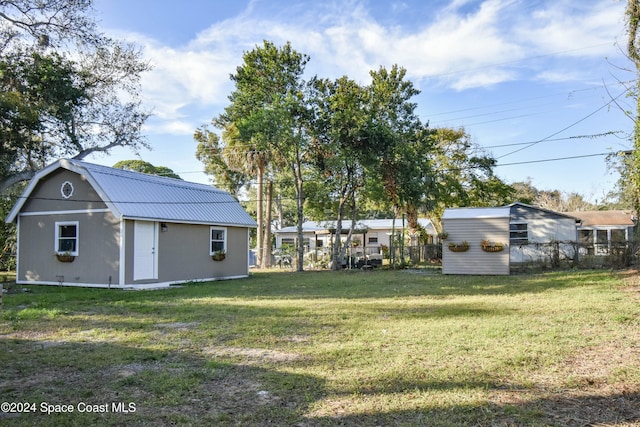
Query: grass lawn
401, 348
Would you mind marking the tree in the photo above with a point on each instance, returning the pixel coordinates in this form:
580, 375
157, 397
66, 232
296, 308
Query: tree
397, 137
47, 23
146, 167
54, 106
554, 200
228, 172
340, 148
261, 122
464, 173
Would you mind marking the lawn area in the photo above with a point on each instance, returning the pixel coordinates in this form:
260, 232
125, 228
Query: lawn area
401, 348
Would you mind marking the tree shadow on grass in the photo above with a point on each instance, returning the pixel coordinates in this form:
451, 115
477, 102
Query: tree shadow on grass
165, 387
185, 388
610, 410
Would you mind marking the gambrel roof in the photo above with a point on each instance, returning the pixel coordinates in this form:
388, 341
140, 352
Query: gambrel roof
134, 195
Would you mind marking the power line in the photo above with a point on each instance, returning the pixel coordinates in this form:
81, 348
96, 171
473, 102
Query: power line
556, 159
563, 129
568, 94
220, 202
597, 135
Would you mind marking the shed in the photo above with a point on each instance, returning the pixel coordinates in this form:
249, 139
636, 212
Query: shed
466, 229
502, 236
90, 225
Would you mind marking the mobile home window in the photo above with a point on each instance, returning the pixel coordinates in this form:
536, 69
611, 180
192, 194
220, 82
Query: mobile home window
585, 237
218, 239
618, 235
518, 233
66, 238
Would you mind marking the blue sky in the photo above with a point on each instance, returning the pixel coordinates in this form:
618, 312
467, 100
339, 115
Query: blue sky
529, 80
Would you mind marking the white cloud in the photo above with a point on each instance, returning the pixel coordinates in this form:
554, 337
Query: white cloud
573, 26
460, 46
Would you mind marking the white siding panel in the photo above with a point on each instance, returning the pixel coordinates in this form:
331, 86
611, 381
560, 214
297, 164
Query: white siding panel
475, 260
545, 230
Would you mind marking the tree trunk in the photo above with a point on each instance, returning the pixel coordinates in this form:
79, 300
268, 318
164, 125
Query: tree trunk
259, 212
297, 170
266, 253
337, 244
347, 241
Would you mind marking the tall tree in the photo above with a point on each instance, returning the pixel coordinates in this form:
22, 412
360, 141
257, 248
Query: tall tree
395, 131
45, 23
67, 90
340, 147
261, 109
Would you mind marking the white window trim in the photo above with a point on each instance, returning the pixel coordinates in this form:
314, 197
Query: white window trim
224, 242
62, 188
58, 224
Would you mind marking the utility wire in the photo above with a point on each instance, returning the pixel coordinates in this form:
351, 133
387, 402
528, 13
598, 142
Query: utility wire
292, 198
563, 129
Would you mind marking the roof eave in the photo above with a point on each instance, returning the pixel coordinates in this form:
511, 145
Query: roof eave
193, 222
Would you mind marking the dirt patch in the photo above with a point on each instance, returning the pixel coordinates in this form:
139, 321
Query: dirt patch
631, 279
252, 356
182, 326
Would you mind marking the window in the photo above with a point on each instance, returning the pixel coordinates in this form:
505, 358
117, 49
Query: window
373, 240
66, 239
618, 235
218, 239
66, 189
518, 233
585, 237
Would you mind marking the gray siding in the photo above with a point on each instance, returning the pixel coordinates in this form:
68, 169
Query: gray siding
94, 264
545, 226
183, 254
47, 197
475, 260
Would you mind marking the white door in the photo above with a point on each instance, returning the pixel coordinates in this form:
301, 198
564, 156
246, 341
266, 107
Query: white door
145, 255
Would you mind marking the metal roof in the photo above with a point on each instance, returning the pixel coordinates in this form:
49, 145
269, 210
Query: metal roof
134, 195
466, 213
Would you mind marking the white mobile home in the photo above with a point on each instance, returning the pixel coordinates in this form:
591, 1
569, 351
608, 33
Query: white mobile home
370, 234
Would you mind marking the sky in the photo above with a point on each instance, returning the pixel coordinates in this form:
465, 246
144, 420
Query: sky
528, 80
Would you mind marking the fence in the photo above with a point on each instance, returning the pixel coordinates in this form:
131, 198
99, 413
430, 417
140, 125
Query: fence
562, 255
524, 257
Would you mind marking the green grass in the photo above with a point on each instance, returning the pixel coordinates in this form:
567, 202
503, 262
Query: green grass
325, 348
